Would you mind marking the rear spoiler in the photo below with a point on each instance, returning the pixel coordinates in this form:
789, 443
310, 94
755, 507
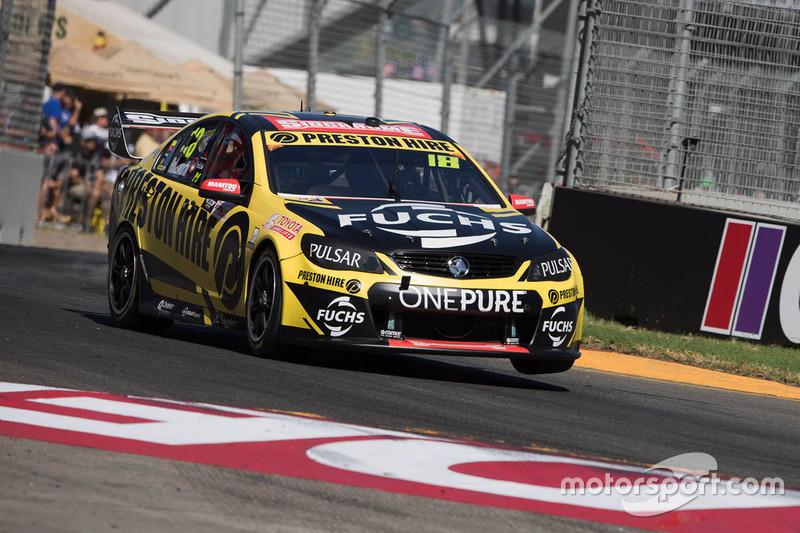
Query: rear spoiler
162, 120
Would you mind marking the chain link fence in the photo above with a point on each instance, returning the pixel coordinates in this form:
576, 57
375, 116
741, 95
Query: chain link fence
691, 101
493, 74
24, 47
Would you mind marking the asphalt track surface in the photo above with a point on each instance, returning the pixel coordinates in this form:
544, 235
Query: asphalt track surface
55, 331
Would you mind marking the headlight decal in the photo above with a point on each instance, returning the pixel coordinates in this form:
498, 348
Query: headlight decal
336, 256
555, 266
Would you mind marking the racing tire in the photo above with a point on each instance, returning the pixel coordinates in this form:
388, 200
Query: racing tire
527, 366
264, 304
123, 286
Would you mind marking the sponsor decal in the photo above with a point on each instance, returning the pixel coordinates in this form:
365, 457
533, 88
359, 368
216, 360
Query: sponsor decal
391, 334
380, 141
453, 299
150, 119
333, 254
283, 138
222, 185
165, 306
521, 202
191, 313
224, 321
340, 316
398, 129
323, 279
565, 294
336, 256
179, 223
217, 208
252, 242
437, 226
278, 139
555, 266
512, 341
228, 258
283, 225
558, 327
741, 286
353, 286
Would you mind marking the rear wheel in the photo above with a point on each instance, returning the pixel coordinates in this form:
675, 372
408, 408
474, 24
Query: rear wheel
527, 366
123, 286
264, 299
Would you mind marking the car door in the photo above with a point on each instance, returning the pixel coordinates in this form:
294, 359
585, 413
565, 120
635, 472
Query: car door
231, 162
176, 235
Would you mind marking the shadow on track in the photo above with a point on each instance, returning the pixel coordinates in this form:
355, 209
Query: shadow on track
395, 364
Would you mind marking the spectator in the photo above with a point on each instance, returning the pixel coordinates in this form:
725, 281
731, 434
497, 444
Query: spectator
51, 114
100, 40
99, 127
68, 122
60, 118
148, 141
109, 164
86, 171
70, 174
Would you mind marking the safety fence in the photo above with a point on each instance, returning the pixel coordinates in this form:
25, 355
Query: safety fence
691, 101
491, 74
24, 47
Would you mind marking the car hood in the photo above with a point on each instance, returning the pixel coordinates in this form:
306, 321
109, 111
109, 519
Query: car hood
386, 226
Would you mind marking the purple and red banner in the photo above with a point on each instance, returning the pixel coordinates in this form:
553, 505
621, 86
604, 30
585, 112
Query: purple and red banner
743, 278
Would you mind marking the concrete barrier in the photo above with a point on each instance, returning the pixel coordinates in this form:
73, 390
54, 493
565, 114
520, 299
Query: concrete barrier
20, 180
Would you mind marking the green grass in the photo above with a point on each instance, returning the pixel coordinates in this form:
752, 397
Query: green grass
734, 356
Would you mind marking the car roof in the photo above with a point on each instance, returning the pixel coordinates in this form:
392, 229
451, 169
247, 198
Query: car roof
254, 121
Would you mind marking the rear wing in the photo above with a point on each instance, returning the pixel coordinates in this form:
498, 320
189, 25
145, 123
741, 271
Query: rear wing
162, 120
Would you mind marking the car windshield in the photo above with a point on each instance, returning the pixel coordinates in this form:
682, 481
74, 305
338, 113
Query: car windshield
374, 172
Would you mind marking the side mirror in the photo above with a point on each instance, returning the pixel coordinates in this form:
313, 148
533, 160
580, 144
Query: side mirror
523, 204
227, 190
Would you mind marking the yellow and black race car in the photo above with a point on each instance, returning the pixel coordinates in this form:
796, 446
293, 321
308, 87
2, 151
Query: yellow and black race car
343, 231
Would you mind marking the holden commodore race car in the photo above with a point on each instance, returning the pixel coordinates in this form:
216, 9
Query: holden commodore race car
320, 229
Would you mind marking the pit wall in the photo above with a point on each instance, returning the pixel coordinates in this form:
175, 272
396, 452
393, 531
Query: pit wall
20, 180
680, 269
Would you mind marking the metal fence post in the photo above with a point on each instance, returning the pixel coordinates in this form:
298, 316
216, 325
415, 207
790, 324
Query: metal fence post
508, 121
5, 14
581, 80
314, 12
676, 127
237, 54
566, 84
380, 54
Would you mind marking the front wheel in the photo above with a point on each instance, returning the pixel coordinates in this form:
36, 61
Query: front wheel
527, 366
264, 304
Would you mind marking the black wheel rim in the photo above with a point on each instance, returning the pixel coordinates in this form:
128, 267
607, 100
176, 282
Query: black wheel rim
262, 297
121, 278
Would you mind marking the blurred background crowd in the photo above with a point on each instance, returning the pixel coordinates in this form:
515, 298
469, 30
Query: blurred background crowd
79, 168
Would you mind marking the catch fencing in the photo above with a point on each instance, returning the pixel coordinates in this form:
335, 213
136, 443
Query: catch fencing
25, 27
492, 74
690, 101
